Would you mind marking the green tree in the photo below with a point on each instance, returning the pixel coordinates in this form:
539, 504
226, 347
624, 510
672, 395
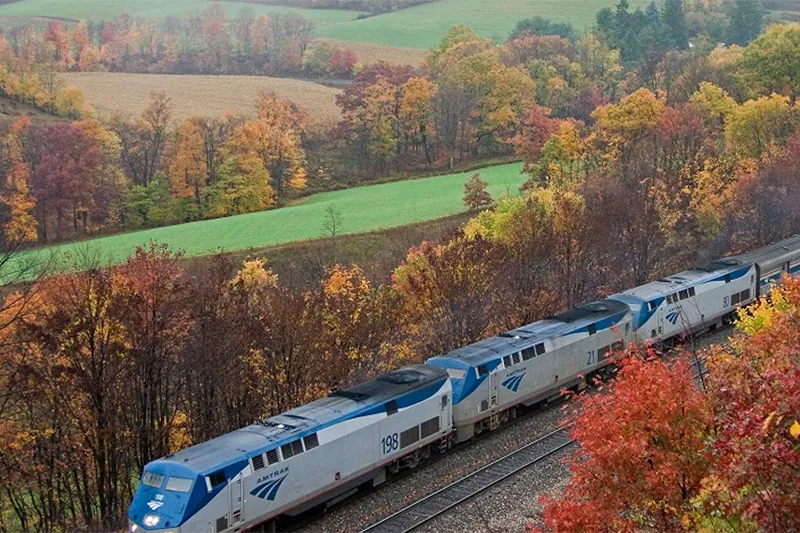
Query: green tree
674, 17
771, 63
747, 20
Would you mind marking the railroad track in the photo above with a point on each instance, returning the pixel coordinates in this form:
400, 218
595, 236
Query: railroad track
422, 511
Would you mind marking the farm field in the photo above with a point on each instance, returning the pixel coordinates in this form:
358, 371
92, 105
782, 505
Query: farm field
158, 9
423, 26
372, 53
363, 209
200, 95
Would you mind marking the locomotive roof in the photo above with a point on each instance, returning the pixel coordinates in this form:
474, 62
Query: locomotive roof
275, 431
574, 320
772, 255
767, 257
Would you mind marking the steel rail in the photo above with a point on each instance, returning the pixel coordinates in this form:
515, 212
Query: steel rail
429, 507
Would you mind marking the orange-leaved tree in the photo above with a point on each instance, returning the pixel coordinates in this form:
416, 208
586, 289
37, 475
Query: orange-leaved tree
475, 193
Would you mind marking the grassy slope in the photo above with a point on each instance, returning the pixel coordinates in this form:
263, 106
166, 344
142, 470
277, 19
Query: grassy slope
422, 26
417, 27
106, 9
363, 209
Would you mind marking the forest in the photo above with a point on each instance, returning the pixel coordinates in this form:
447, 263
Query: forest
638, 165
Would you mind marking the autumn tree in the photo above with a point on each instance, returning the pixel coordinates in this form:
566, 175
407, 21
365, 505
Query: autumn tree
143, 142
449, 293
537, 127
416, 112
360, 333
275, 139
82, 323
771, 61
67, 159
188, 172
475, 194
759, 126
754, 386
21, 225
642, 455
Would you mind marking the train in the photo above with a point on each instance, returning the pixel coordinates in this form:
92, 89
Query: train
321, 453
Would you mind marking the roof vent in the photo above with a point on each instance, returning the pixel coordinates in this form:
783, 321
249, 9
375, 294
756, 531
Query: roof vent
401, 377
597, 307
355, 396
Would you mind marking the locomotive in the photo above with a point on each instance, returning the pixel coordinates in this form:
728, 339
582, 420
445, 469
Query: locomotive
324, 451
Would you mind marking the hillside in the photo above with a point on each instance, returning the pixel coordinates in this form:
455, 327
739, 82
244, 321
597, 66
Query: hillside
363, 209
422, 26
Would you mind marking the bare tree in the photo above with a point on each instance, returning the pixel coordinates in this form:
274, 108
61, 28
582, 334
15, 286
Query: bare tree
332, 223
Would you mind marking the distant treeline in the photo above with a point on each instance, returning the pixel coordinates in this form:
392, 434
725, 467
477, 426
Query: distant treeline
371, 6
782, 5
210, 42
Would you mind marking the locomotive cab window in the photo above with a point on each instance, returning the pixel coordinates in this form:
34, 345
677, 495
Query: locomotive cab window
482, 370
151, 479
507, 360
178, 484
684, 294
258, 462
691, 291
651, 306
540, 348
217, 478
456, 373
528, 353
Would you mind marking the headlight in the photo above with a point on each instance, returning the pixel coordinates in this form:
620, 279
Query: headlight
133, 528
151, 520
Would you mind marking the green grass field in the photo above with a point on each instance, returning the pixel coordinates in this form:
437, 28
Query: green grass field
363, 209
157, 9
417, 27
423, 26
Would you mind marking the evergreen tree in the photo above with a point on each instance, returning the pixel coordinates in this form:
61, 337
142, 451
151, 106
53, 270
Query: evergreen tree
747, 20
674, 18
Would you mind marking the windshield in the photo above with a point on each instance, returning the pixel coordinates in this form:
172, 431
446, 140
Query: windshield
179, 484
151, 479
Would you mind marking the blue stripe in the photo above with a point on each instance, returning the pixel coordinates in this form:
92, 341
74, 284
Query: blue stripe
602, 325
645, 313
736, 274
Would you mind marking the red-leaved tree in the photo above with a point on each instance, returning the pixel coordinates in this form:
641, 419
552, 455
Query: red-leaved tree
642, 453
